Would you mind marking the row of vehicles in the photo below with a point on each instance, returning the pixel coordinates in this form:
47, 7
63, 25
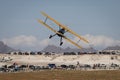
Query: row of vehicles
23, 68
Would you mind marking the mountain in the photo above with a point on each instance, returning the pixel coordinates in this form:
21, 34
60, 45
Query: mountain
53, 48
4, 48
113, 48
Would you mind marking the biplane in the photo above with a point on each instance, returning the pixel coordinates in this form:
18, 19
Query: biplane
62, 30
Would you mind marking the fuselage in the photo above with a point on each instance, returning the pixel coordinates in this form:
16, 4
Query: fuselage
62, 31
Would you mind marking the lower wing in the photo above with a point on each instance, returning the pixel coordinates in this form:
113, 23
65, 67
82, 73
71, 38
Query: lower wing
72, 42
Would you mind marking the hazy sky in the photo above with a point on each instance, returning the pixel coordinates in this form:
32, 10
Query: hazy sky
96, 19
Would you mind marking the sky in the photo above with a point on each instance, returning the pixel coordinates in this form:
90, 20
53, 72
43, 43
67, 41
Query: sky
96, 20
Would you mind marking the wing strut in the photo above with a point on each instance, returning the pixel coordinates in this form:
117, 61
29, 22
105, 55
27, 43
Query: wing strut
45, 20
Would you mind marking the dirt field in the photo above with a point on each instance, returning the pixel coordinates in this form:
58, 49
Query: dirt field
62, 75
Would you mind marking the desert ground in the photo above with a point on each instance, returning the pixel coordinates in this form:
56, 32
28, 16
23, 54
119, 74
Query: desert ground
63, 75
60, 59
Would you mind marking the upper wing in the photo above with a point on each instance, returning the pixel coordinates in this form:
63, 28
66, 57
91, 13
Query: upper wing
40, 21
66, 28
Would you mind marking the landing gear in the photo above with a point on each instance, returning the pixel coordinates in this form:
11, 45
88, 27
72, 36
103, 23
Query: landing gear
50, 36
59, 36
61, 43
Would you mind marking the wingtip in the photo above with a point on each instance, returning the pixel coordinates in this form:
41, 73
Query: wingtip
42, 12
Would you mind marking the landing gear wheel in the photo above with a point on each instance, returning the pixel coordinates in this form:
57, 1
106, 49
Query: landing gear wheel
50, 36
61, 43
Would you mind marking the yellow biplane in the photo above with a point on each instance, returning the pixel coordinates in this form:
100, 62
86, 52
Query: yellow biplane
62, 29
